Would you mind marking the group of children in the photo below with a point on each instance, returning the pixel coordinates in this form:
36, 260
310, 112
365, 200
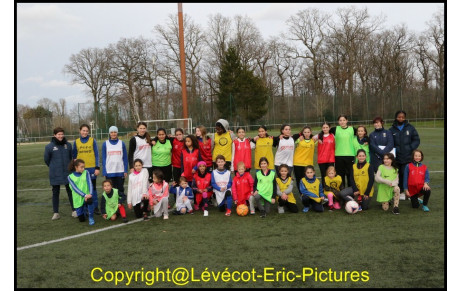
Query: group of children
189, 162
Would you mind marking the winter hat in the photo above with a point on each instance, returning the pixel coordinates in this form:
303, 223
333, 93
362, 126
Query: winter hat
201, 163
113, 128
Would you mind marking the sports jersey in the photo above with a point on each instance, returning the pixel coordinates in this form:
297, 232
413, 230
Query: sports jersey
344, 141
326, 150
285, 152
264, 149
303, 155
385, 192
241, 152
222, 146
161, 154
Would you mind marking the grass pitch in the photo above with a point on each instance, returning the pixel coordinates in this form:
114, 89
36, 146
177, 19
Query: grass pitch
331, 249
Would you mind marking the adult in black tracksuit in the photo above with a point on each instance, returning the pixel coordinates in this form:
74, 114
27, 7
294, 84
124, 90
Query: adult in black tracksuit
406, 139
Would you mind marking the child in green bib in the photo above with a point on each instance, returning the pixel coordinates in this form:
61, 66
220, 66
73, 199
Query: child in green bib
111, 203
387, 177
82, 190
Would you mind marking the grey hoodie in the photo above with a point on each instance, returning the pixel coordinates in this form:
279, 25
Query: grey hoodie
224, 123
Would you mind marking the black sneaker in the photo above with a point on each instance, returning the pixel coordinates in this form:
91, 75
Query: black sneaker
97, 211
395, 210
125, 220
262, 214
146, 217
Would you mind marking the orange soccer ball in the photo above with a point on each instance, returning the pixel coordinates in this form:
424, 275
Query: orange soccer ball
242, 210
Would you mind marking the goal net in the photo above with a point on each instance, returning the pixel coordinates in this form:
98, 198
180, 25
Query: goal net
170, 125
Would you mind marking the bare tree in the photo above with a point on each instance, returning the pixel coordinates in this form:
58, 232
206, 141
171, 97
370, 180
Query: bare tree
348, 34
435, 36
89, 67
308, 27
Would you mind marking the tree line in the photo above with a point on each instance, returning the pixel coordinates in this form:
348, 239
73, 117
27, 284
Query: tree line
323, 65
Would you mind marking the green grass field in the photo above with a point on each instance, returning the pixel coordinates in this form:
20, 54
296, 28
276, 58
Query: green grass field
322, 249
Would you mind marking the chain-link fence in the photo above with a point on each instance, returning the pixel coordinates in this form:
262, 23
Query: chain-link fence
41, 129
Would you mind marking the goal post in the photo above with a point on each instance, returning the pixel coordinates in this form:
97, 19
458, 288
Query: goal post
170, 125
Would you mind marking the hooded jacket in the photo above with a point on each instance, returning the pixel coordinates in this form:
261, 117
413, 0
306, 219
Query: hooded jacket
57, 156
224, 123
379, 137
405, 141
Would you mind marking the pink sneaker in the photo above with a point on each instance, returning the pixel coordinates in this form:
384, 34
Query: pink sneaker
196, 207
336, 205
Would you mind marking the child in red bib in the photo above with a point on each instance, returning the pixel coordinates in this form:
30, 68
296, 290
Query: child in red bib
416, 180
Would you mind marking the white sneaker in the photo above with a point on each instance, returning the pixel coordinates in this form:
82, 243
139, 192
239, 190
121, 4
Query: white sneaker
280, 209
165, 217
74, 214
205, 213
402, 197
55, 216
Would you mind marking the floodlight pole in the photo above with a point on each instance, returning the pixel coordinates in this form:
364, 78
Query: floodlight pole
182, 62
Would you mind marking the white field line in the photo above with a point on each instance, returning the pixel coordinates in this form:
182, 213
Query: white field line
77, 235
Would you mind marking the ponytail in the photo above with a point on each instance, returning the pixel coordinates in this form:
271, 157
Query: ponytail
74, 164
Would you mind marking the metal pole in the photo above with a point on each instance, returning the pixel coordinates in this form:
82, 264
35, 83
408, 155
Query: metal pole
182, 62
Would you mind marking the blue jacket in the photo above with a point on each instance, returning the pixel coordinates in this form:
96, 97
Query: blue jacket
57, 157
380, 137
405, 140
176, 190
304, 191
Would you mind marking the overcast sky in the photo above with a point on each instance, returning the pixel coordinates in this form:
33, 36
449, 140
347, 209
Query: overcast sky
48, 34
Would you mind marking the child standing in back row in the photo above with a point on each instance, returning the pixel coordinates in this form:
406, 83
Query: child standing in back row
190, 157
361, 141
82, 190
241, 151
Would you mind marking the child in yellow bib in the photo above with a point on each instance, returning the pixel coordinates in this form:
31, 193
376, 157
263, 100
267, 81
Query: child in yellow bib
311, 191
362, 182
284, 186
332, 186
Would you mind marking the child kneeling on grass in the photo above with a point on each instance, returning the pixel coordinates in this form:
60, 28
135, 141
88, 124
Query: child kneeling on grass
311, 191
284, 188
221, 182
111, 205
82, 190
242, 185
387, 179
416, 179
201, 185
184, 196
264, 187
332, 187
138, 184
159, 194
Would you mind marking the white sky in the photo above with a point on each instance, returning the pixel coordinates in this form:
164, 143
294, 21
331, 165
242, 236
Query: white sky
47, 34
